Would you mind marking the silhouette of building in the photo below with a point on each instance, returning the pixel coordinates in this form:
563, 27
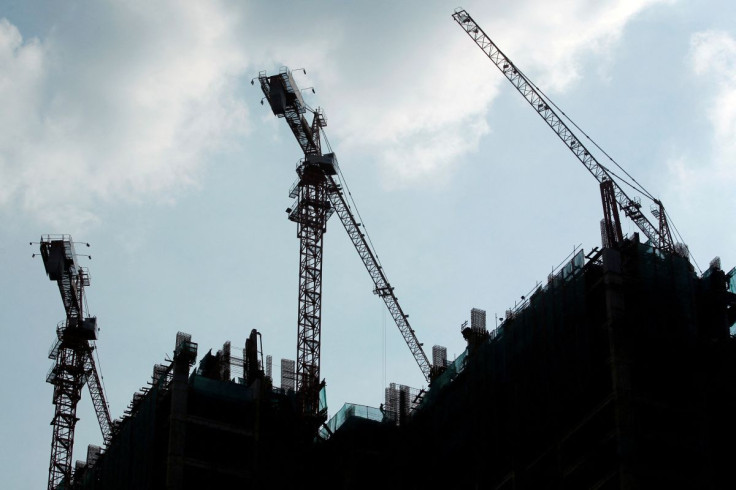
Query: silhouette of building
618, 373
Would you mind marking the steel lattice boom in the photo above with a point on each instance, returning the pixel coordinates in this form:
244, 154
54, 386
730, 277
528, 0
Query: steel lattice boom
97, 393
67, 377
660, 238
73, 355
382, 287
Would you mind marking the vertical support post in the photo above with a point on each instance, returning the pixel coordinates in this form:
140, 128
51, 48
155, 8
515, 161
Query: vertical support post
611, 233
68, 378
312, 211
664, 228
185, 354
177, 427
619, 342
312, 219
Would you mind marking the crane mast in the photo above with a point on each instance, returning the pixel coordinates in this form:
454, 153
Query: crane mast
310, 212
285, 100
659, 237
73, 355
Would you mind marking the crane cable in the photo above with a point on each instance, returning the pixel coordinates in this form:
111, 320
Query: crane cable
344, 183
640, 187
682, 240
354, 206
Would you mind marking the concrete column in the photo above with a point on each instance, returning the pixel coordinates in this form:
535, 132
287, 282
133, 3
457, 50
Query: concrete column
177, 425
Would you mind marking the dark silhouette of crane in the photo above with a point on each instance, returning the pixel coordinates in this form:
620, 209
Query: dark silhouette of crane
73, 355
319, 193
612, 194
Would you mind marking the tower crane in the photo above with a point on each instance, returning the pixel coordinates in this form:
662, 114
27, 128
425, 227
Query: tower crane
73, 355
319, 194
612, 194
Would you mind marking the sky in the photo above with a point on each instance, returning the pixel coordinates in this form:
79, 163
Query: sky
134, 126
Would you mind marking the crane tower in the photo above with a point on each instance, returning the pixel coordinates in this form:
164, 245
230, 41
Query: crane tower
73, 355
310, 212
319, 193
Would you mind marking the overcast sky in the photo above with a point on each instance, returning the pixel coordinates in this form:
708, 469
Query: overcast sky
133, 126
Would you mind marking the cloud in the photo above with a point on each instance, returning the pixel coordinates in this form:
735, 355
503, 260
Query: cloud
122, 103
23, 70
704, 180
424, 100
128, 101
555, 42
713, 55
420, 119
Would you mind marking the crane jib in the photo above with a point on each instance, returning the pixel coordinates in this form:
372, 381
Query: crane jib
659, 238
382, 286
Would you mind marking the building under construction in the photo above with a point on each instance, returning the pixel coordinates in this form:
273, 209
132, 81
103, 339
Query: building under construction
618, 373
202, 428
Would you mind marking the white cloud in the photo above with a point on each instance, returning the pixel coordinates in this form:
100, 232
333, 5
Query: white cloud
127, 100
121, 105
555, 41
431, 93
703, 179
21, 76
421, 118
713, 56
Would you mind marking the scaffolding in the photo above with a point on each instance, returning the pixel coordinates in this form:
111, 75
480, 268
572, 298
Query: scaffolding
439, 356
478, 320
288, 375
400, 402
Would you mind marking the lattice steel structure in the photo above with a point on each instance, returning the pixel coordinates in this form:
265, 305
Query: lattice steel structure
73, 355
310, 212
660, 237
287, 374
400, 401
380, 282
439, 356
319, 193
611, 232
478, 319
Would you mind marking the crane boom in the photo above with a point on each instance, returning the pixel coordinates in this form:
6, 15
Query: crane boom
382, 286
659, 238
98, 396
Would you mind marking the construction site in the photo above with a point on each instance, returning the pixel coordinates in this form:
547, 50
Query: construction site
617, 371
